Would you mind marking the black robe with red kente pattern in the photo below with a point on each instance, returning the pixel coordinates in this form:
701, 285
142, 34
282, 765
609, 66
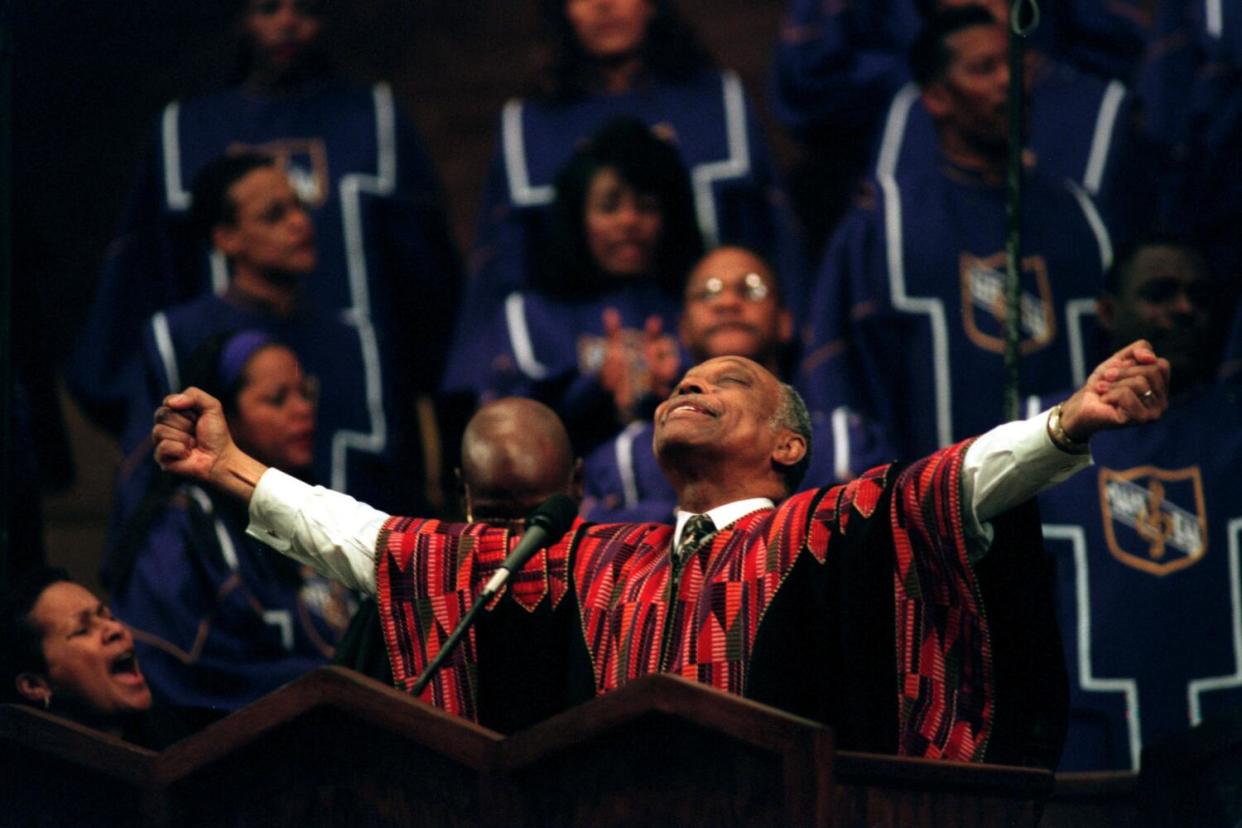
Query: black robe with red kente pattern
855, 605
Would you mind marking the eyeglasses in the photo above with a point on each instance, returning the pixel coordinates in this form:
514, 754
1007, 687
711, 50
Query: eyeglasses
750, 288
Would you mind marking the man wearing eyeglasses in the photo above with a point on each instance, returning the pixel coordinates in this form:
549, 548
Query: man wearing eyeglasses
733, 307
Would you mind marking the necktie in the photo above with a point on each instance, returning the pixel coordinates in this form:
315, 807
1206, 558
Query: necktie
697, 531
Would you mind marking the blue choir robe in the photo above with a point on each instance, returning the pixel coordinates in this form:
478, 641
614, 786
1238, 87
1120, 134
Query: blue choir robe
330, 350
385, 253
1080, 130
551, 349
842, 79
1146, 545
907, 315
1191, 89
218, 620
736, 195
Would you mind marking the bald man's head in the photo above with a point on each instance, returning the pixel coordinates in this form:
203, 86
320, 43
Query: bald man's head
515, 453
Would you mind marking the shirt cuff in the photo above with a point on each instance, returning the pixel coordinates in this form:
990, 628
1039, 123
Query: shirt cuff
326, 530
1009, 464
274, 508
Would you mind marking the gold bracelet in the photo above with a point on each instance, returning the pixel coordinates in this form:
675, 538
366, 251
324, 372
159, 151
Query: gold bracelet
1060, 437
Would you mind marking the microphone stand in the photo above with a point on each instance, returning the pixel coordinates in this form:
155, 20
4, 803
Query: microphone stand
450, 643
549, 521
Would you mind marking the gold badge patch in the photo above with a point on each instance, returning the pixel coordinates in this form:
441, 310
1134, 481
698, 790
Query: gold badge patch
983, 302
1154, 519
305, 161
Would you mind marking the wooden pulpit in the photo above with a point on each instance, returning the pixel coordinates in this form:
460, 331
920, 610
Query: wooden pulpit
666, 751
335, 748
54, 772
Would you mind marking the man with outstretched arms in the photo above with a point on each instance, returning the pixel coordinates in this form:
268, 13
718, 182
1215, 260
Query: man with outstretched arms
908, 608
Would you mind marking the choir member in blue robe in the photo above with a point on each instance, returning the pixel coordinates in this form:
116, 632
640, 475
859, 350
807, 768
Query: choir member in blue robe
733, 306
248, 209
622, 238
217, 623
385, 255
1147, 540
637, 59
842, 83
907, 318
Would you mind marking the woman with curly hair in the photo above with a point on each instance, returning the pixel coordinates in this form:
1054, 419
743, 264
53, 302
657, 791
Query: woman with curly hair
620, 238
626, 58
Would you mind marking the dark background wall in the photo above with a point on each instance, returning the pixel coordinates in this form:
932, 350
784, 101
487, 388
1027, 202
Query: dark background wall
90, 75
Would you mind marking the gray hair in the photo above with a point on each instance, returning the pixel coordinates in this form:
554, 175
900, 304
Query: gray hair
791, 413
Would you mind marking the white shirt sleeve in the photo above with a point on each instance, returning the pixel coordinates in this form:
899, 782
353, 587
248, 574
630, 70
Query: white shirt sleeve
1006, 466
326, 530
336, 535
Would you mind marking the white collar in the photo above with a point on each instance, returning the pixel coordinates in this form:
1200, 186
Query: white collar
722, 516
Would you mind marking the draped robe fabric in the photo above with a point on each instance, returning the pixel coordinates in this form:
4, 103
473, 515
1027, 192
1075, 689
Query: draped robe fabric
856, 605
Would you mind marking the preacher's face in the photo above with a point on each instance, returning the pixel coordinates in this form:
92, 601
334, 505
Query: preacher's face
731, 308
271, 232
723, 407
90, 655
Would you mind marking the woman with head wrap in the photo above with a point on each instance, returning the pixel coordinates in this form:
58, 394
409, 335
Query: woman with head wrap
216, 622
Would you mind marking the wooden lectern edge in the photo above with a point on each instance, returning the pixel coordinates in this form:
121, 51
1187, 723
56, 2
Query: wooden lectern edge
854, 767
367, 700
748, 721
764, 727
1096, 783
336, 688
350, 692
57, 736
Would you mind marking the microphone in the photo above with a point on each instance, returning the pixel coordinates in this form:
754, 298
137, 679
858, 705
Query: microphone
549, 521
